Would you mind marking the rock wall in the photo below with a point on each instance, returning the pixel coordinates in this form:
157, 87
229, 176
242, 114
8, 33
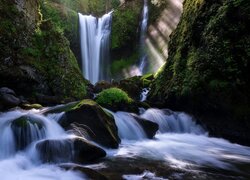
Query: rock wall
36, 60
207, 72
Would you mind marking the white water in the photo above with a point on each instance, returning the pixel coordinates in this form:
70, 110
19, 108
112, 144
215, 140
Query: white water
95, 46
128, 127
25, 164
144, 26
180, 142
144, 94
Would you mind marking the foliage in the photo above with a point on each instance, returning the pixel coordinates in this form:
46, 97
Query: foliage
118, 65
113, 96
124, 26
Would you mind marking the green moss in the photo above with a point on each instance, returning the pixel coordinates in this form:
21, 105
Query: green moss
113, 96
51, 56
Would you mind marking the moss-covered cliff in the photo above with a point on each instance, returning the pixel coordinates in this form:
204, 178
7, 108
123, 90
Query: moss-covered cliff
35, 55
207, 71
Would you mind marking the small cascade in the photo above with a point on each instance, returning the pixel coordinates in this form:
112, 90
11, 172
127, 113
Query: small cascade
22, 134
95, 46
144, 94
173, 122
128, 127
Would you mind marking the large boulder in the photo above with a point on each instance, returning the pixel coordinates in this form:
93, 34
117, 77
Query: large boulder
99, 124
74, 149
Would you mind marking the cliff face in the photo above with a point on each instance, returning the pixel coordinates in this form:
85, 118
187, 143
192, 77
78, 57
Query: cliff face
207, 72
35, 56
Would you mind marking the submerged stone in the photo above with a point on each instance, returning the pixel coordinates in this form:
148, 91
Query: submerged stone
72, 149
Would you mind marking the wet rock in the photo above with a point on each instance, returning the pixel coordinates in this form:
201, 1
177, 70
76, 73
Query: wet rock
101, 85
72, 149
149, 127
99, 124
90, 173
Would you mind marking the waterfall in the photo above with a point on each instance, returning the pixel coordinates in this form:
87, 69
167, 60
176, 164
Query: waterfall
144, 26
95, 46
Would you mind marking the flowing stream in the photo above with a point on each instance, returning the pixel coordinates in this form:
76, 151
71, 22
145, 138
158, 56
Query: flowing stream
95, 46
181, 149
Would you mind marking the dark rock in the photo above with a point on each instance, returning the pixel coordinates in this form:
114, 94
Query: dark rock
99, 124
47, 100
149, 127
74, 149
8, 98
101, 85
90, 173
5, 90
133, 86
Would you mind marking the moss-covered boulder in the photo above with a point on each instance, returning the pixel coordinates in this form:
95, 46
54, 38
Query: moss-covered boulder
73, 149
99, 125
208, 66
116, 99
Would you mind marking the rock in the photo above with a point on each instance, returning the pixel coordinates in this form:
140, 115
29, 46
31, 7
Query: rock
27, 129
99, 124
133, 86
47, 100
5, 90
101, 85
8, 98
90, 173
149, 127
73, 149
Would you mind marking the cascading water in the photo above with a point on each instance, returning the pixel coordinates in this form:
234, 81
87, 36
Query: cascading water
144, 26
20, 136
180, 144
95, 46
